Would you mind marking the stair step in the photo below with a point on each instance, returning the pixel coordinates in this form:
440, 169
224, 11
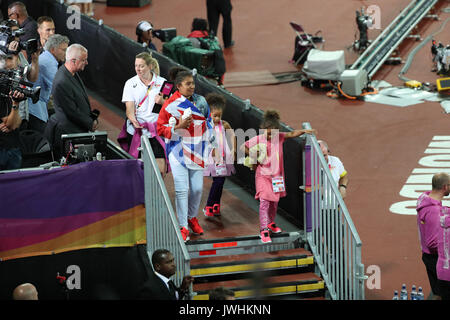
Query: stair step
264, 287
241, 245
221, 265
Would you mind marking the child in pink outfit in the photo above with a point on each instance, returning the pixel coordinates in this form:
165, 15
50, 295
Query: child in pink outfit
221, 159
269, 175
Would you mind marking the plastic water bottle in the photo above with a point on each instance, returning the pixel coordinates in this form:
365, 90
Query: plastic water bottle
413, 293
404, 293
420, 295
395, 297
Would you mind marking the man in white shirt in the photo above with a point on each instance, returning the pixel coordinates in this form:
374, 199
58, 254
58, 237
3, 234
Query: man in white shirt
336, 167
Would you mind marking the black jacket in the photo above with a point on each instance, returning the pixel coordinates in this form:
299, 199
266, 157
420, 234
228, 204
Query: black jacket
72, 108
155, 289
71, 102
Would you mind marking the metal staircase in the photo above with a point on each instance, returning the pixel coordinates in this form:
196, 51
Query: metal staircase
296, 265
251, 269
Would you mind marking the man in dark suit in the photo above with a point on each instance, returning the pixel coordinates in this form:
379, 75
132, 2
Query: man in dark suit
159, 286
71, 101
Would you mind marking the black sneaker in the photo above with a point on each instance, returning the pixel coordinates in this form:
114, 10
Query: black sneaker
231, 44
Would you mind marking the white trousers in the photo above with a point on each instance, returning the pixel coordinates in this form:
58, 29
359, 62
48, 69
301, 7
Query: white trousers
188, 190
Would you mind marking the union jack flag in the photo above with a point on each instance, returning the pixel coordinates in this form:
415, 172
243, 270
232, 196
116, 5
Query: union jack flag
191, 148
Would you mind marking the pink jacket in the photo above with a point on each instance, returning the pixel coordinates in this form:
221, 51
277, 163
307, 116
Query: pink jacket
428, 211
271, 167
443, 263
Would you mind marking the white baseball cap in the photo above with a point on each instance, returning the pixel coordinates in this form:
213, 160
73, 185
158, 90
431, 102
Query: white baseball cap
145, 26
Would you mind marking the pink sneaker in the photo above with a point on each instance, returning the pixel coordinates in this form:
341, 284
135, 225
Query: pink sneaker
195, 227
273, 228
216, 210
265, 236
208, 211
185, 234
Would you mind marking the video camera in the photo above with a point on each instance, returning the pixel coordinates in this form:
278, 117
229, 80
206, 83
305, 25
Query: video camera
165, 35
441, 56
7, 36
11, 80
364, 22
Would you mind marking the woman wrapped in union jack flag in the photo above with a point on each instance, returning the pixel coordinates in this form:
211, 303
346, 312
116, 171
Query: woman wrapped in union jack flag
185, 123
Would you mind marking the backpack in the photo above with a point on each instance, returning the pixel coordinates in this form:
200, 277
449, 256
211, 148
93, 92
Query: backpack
207, 59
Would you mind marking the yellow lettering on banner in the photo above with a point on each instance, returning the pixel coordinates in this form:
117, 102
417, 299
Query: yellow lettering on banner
437, 160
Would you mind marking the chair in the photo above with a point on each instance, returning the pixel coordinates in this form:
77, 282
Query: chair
304, 42
36, 149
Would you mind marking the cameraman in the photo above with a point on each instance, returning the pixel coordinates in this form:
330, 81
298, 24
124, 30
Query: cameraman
11, 63
10, 154
18, 11
14, 48
144, 34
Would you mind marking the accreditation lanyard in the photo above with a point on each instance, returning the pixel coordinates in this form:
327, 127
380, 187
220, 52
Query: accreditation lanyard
150, 87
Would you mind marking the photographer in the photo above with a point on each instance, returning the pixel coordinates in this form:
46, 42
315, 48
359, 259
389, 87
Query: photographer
144, 34
18, 11
10, 154
11, 63
14, 47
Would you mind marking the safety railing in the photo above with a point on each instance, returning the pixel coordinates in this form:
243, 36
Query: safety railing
161, 221
329, 229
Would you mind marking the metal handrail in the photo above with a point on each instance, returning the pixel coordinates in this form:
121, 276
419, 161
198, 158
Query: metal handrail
161, 221
329, 229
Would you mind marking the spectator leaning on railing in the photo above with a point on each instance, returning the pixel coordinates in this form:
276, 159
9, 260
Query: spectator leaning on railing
338, 172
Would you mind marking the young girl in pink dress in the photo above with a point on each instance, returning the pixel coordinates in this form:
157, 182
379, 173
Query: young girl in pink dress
269, 175
221, 159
